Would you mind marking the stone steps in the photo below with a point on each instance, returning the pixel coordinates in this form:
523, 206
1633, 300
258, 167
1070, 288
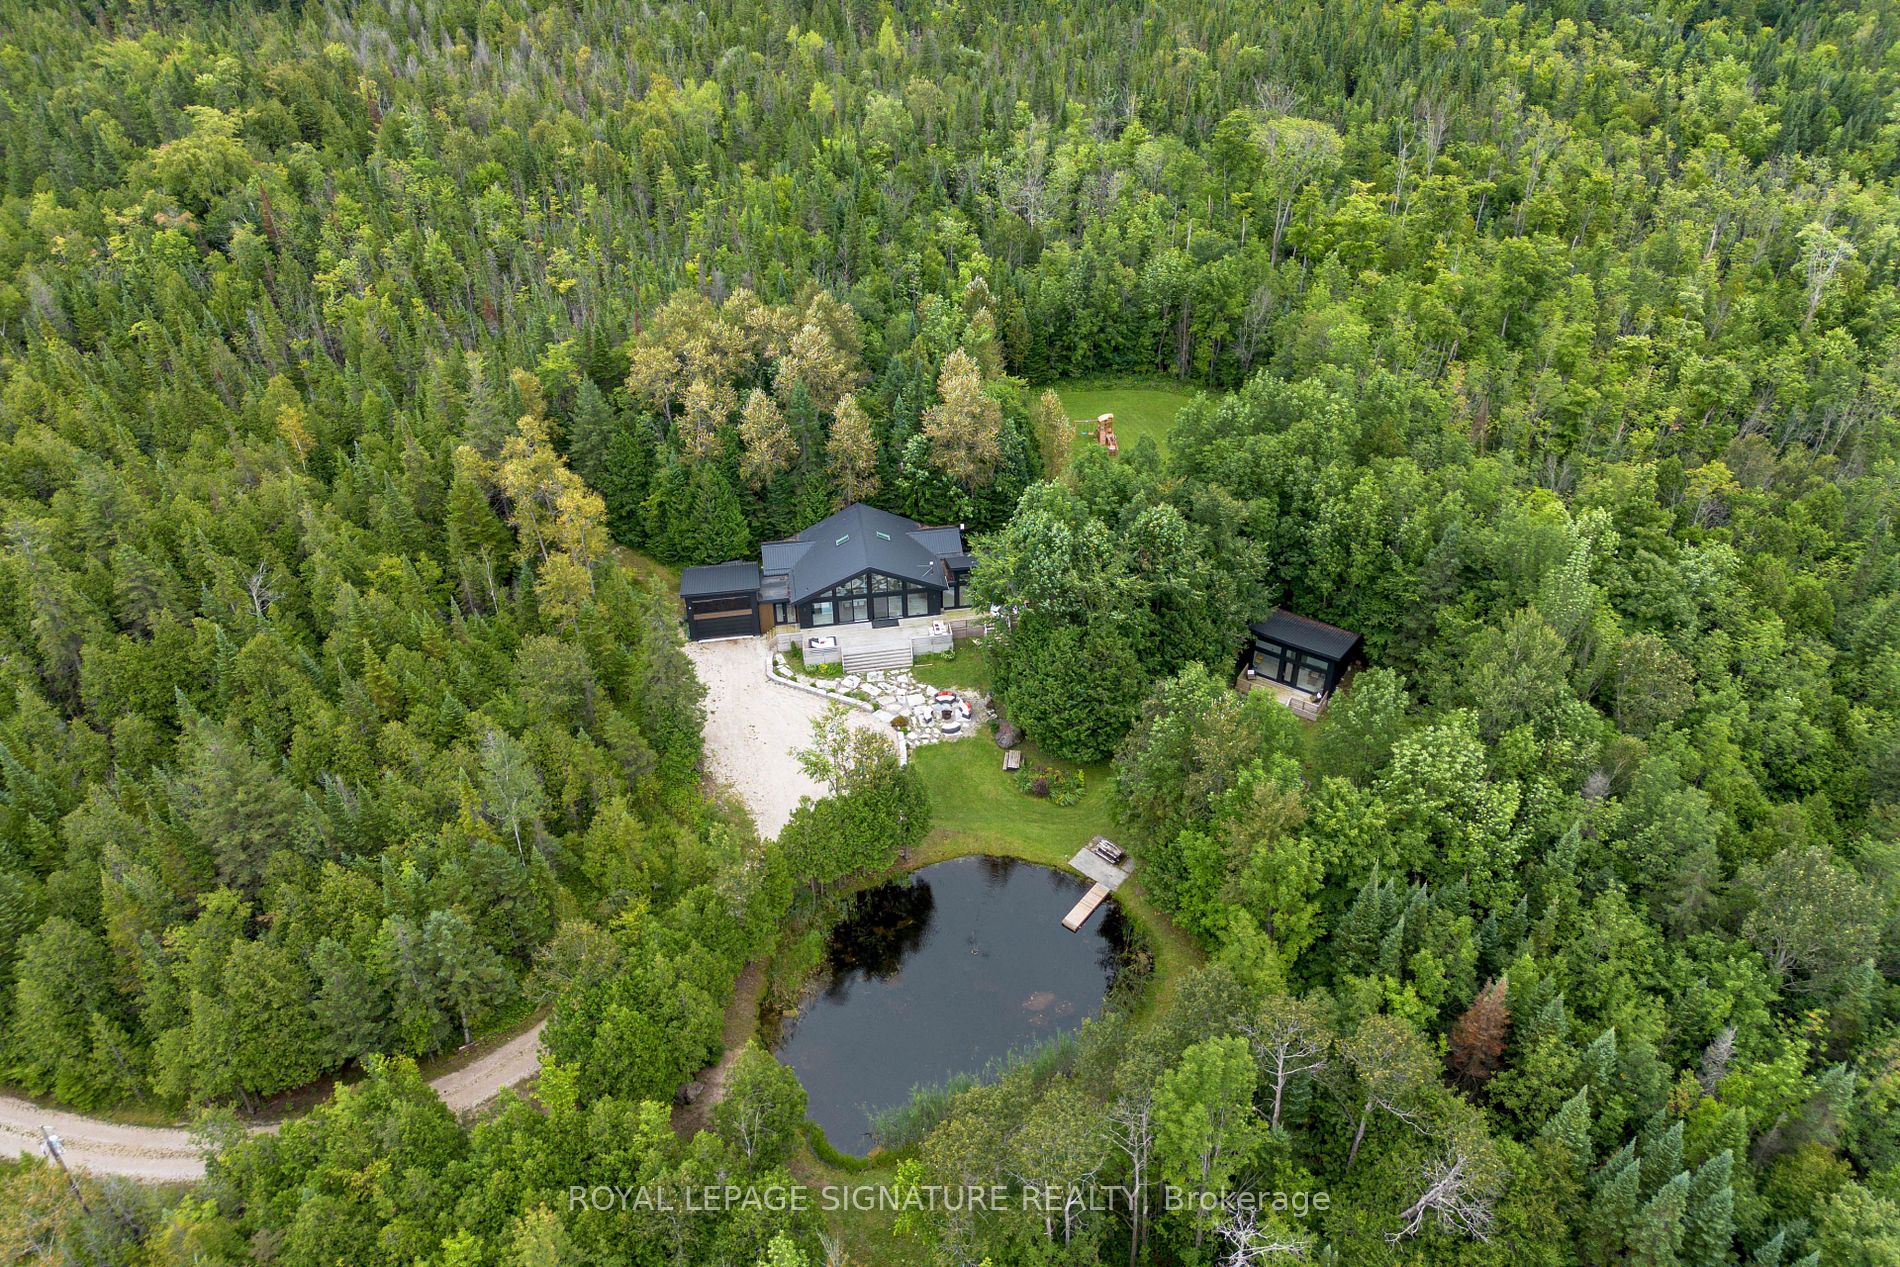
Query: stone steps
871, 659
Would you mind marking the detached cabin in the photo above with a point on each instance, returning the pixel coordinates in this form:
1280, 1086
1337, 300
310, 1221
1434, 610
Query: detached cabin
861, 564
1303, 658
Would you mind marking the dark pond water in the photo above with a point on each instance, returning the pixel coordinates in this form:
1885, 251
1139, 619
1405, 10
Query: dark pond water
942, 973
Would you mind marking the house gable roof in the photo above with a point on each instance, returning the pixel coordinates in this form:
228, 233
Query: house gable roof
857, 539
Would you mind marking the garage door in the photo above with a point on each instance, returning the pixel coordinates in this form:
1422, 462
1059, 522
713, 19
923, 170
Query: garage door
721, 618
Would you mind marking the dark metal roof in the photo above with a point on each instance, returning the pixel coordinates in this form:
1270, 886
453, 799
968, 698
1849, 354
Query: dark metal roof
962, 561
1304, 634
735, 577
856, 539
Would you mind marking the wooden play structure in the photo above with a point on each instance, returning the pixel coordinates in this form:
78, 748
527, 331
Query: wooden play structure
1105, 433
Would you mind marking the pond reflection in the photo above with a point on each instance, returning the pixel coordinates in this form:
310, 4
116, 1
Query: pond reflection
941, 973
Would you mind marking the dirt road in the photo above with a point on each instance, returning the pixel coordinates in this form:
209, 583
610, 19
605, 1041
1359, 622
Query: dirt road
752, 731
166, 1154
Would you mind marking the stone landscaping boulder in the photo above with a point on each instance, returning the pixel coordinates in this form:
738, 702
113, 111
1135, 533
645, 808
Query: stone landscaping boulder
1008, 734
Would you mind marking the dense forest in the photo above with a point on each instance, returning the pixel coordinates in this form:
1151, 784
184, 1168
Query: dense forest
360, 362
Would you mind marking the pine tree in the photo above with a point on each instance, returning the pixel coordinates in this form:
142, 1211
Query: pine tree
239, 809
1569, 1130
470, 977
622, 484
1656, 1232
1610, 1217
715, 528
1708, 1233
1477, 1037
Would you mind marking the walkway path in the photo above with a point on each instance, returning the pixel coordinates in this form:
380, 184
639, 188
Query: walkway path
166, 1154
742, 1021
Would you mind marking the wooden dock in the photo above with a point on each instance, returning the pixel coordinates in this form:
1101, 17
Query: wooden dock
1079, 916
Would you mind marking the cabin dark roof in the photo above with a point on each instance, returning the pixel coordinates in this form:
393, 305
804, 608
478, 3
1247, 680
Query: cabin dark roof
1305, 634
735, 577
854, 540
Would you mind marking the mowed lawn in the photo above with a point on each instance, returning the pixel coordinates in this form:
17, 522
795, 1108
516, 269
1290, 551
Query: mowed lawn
1139, 411
965, 669
976, 808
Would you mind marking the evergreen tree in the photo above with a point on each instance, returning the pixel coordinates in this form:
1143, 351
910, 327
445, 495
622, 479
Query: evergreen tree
715, 524
1708, 1232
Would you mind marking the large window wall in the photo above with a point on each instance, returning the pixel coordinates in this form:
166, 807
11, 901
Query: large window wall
1301, 670
869, 596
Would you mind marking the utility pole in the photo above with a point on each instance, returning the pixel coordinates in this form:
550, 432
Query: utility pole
49, 1144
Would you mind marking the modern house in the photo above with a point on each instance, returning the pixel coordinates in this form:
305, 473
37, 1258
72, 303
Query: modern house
860, 564
1302, 658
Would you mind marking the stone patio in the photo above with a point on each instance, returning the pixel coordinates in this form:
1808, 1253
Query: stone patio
894, 693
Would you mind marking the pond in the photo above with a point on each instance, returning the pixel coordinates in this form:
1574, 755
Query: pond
942, 973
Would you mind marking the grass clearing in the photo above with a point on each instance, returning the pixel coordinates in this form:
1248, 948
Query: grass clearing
1143, 409
976, 808
965, 669
661, 578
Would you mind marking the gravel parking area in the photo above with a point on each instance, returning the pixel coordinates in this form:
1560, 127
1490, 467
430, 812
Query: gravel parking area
754, 725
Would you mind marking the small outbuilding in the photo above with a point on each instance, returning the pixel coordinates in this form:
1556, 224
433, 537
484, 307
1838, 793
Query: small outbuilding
1301, 653
722, 601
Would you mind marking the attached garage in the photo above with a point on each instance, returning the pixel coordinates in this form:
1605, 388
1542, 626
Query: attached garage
722, 601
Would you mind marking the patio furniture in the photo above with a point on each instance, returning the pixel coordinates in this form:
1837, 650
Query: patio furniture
1012, 760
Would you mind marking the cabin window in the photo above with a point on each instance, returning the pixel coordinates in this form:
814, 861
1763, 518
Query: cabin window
876, 596
1312, 673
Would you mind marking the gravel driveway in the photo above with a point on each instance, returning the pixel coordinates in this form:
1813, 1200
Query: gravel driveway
753, 726
166, 1154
